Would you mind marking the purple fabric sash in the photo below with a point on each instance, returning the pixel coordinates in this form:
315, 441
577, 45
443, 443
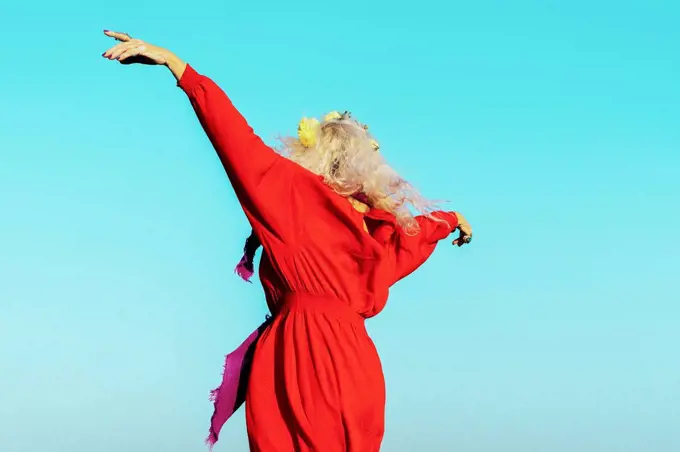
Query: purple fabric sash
231, 393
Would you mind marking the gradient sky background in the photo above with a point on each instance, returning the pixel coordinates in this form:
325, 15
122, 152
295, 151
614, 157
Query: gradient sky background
554, 126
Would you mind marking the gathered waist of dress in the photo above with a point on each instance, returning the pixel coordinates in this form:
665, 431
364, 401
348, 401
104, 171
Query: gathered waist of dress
322, 304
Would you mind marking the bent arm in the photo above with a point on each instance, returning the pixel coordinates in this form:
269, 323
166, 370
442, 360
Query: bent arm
411, 251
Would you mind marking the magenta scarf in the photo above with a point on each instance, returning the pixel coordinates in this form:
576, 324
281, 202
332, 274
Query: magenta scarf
231, 393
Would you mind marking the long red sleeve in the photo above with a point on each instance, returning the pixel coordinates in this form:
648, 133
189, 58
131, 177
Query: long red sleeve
262, 179
411, 251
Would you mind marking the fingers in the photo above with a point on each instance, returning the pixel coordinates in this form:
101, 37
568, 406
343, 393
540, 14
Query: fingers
117, 50
460, 242
134, 51
463, 239
122, 48
118, 36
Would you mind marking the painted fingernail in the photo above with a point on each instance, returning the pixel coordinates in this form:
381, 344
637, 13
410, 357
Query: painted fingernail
106, 31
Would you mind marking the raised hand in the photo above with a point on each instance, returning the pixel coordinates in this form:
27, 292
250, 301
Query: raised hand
131, 51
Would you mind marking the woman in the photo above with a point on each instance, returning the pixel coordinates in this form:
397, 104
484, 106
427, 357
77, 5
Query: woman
335, 224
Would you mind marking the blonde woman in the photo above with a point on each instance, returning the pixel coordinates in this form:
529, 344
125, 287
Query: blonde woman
336, 228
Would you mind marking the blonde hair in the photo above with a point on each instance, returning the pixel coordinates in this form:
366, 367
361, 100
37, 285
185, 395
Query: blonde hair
343, 152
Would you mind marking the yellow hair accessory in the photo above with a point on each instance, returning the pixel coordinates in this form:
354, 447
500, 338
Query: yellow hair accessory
332, 116
308, 128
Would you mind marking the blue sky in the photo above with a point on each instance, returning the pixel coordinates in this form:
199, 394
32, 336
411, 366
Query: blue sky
554, 126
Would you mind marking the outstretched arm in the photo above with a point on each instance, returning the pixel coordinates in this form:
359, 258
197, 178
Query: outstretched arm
247, 160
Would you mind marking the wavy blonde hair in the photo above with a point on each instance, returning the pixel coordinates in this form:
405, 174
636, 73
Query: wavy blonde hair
344, 153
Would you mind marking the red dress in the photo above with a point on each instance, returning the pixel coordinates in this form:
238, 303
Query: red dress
316, 382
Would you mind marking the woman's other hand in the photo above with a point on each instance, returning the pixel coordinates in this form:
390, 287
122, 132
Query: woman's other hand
465, 231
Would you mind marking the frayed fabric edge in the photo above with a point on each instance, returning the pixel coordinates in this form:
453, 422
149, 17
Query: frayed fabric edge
230, 394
